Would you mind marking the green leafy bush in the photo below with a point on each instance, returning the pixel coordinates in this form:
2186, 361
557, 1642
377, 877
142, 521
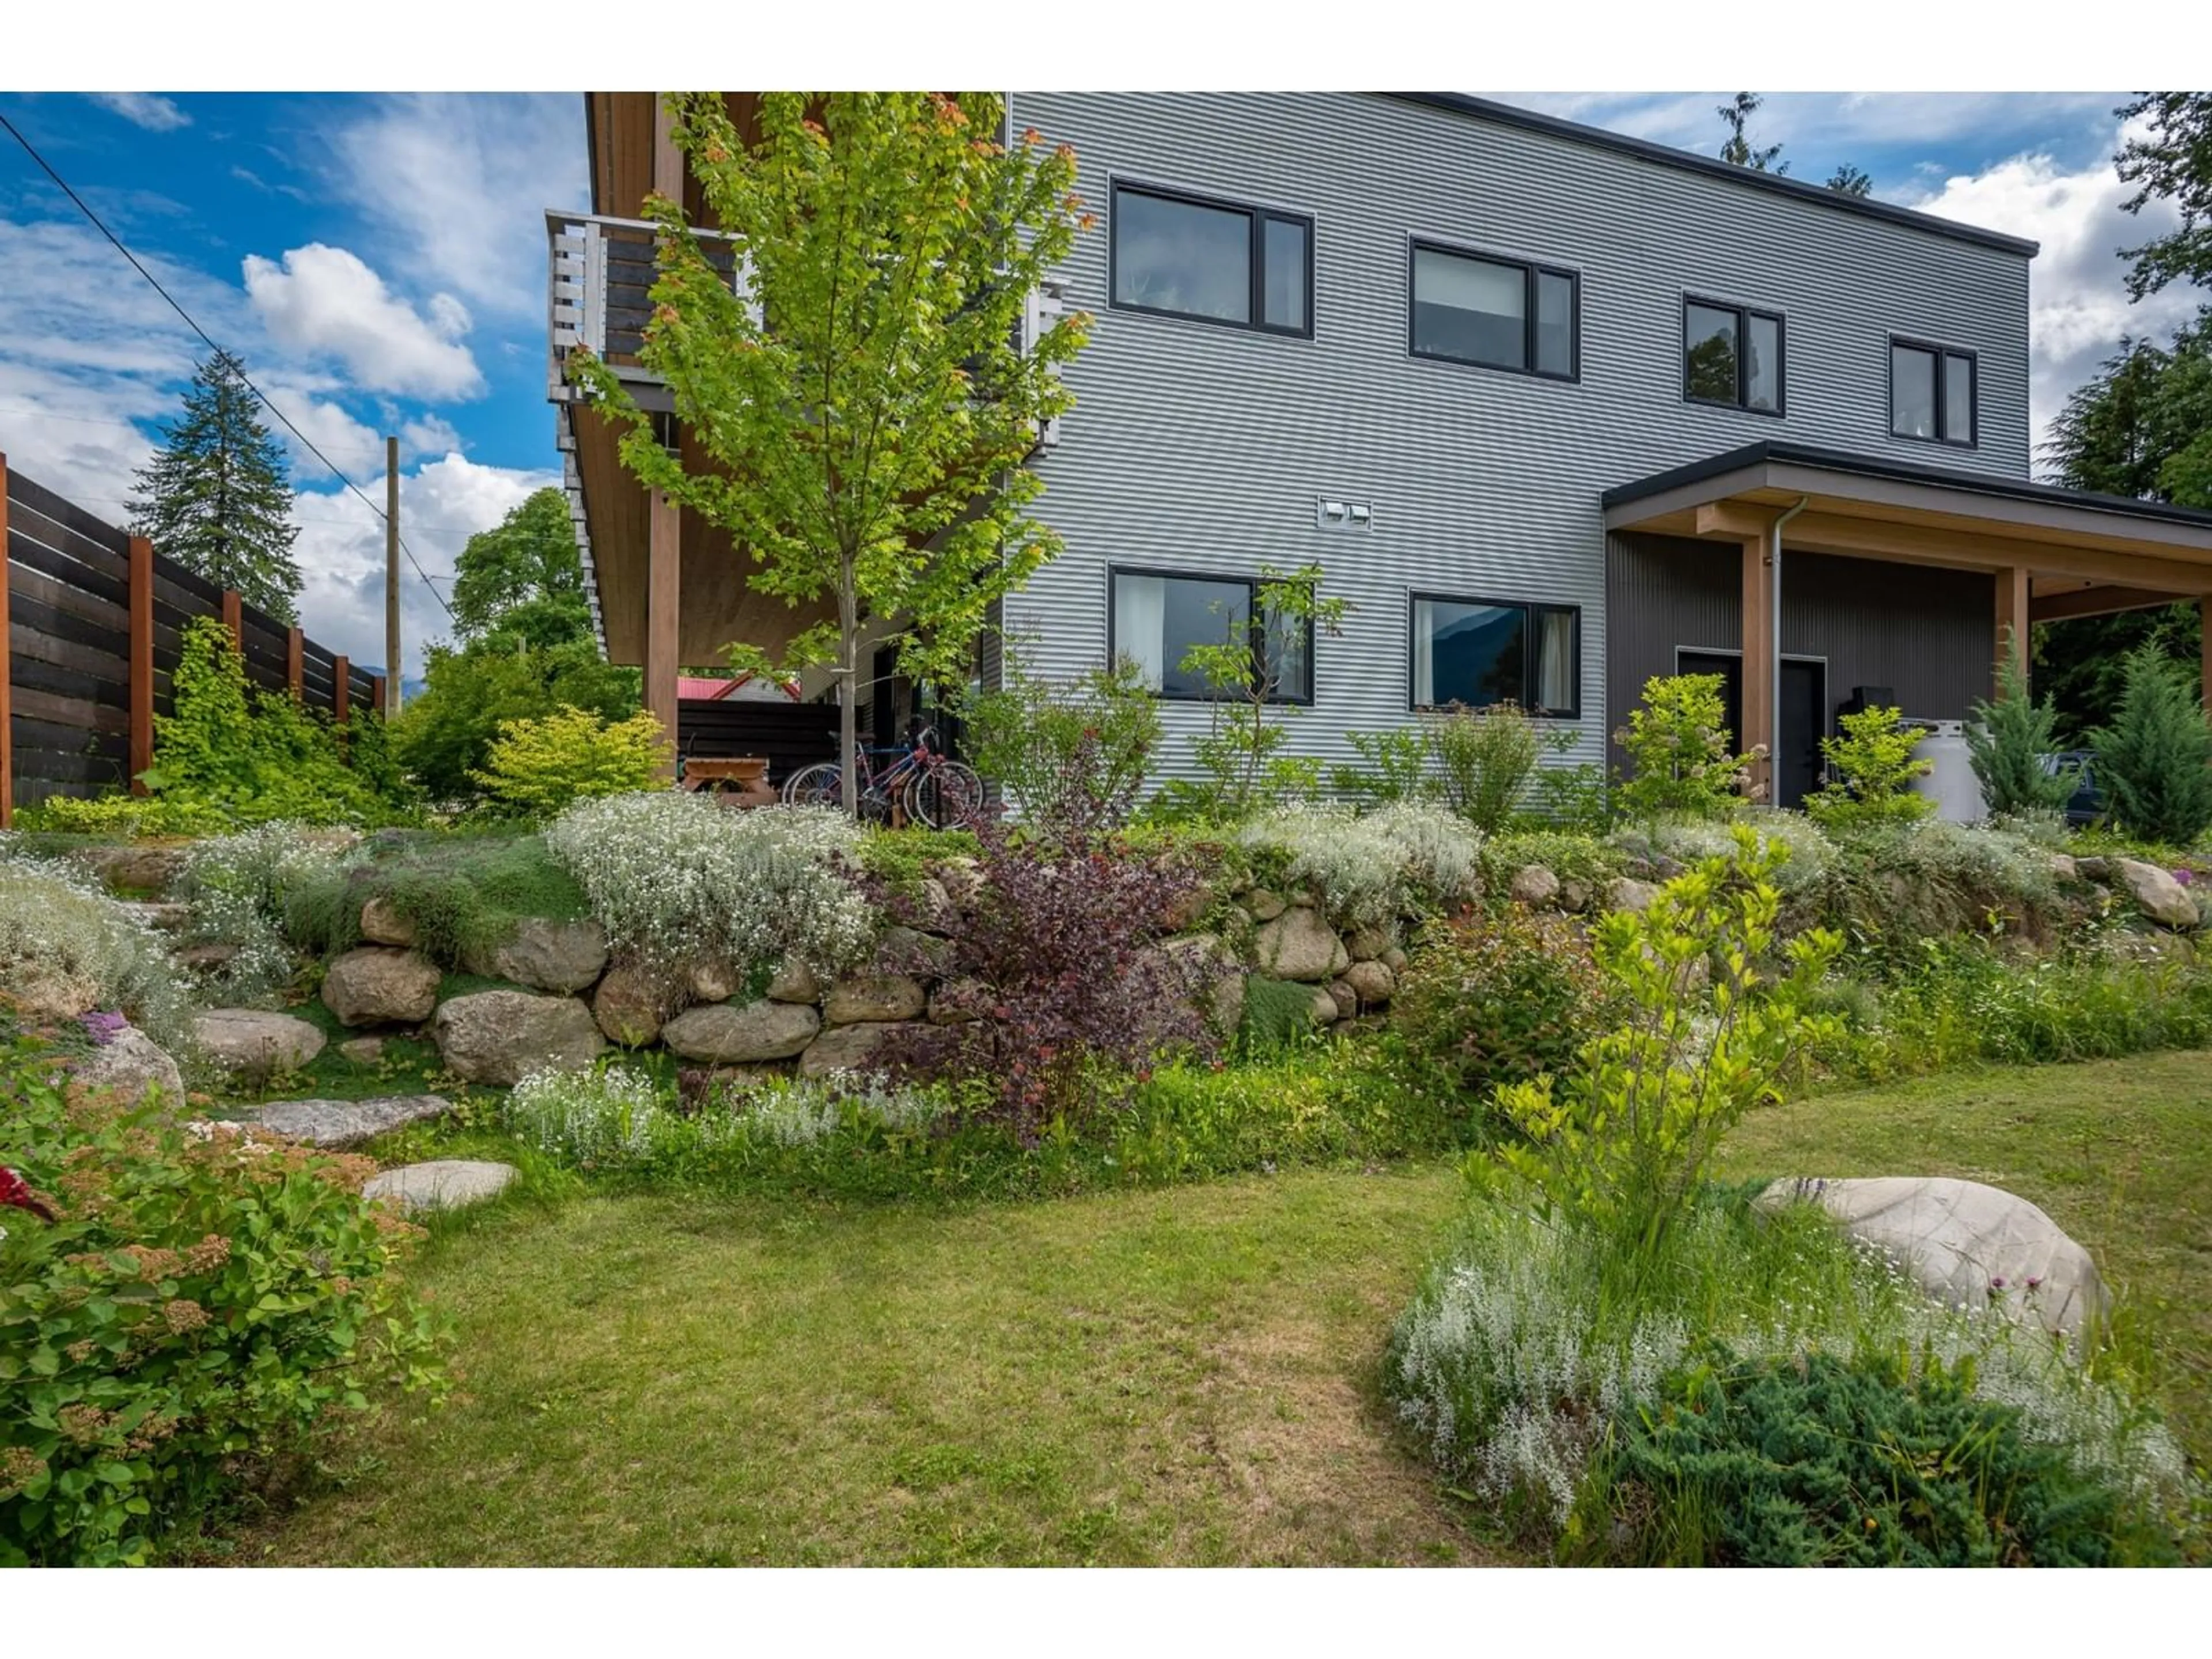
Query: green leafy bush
1073, 755
202, 1304
1568, 855
444, 735
1681, 753
1871, 770
1496, 1000
2010, 740
1394, 768
65, 943
122, 815
1571, 798
1891, 886
1484, 759
462, 892
2154, 760
538, 768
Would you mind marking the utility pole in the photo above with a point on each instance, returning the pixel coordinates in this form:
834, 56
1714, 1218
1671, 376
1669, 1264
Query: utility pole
391, 577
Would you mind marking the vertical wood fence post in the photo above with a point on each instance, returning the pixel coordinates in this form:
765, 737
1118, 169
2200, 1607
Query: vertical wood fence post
376, 686
295, 663
233, 618
342, 673
7, 669
142, 659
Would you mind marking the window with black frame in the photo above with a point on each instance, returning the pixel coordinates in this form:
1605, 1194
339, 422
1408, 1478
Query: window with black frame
1157, 618
1732, 355
1481, 652
1931, 393
1217, 262
1497, 313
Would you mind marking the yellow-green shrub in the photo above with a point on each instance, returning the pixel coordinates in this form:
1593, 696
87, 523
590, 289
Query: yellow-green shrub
540, 767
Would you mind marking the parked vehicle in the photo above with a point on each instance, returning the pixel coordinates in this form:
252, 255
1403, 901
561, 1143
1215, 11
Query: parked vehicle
2087, 804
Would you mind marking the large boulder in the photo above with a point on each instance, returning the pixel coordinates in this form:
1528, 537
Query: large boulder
1968, 1244
845, 1049
1535, 886
135, 867
498, 1036
794, 982
862, 998
1372, 982
444, 1184
254, 1040
345, 1122
725, 1033
911, 951
2162, 897
546, 955
378, 985
1263, 903
41, 991
1626, 893
129, 1065
631, 1005
1220, 992
1300, 945
380, 924
959, 1002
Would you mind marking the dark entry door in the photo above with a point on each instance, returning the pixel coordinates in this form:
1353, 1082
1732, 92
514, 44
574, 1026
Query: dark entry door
1804, 716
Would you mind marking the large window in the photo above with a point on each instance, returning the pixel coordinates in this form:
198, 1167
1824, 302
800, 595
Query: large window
1931, 393
1157, 617
1189, 255
1479, 652
1500, 313
1732, 355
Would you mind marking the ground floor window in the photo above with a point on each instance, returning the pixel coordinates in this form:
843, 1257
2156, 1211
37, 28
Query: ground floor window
1157, 616
1479, 652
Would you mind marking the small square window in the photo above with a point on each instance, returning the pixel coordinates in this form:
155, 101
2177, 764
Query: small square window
1732, 355
1931, 393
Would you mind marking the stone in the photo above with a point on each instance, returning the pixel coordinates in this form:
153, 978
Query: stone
909, 951
251, 1040
444, 1184
1574, 896
40, 991
1299, 945
1626, 893
344, 1122
382, 925
362, 1051
135, 867
206, 958
546, 955
1345, 999
794, 982
162, 915
1535, 886
961, 877
1395, 960
724, 1032
2094, 869
1325, 1011
1189, 909
1372, 982
932, 906
958, 1002
2162, 898
130, 1065
1367, 944
1263, 903
1968, 1244
2064, 868
845, 1049
630, 1005
498, 1036
861, 997
1222, 994
378, 985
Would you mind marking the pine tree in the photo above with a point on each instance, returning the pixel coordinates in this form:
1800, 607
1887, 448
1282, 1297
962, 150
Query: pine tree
217, 497
2155, 761
2009, 741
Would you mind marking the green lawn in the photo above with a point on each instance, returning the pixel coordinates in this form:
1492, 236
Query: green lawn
1183, 1376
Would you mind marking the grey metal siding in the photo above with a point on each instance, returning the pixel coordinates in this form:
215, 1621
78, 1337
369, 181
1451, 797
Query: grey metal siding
1928, 635
1195, 447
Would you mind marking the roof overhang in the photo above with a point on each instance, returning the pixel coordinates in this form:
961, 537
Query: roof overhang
2085, 553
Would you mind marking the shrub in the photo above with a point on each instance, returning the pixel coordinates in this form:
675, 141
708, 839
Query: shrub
800, 1111
444, 735
62, 940
1894, 885
538, 768
1241, 752
1571, 855
1395, 768
593, 1118
1073, 755
201, 1305
2154, 760
1278, 1016
1571, 799
1059, 952
1872, 769
122, 815
463, 892
1496, 1000
676, 880
1369, 870
1811, 855
1484, 759
2009, 742
1681, 753
241, 889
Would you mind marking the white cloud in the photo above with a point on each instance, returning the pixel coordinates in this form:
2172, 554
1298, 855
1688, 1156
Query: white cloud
462, 183
149, 110
429, 436
324, 302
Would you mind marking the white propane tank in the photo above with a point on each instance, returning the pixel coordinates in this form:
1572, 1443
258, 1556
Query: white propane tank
1951, 784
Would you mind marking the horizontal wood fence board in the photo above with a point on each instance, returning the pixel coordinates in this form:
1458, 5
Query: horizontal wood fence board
59, 681
29, 552
208, 593
62, 511
74, 713
25, 640
29, 584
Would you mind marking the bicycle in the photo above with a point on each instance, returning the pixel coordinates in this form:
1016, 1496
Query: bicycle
933, 790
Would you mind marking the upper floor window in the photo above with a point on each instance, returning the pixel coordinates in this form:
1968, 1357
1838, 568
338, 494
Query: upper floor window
1481, 652
1501, 313
1732, 355
1190, 256
1157, 617
1931, 393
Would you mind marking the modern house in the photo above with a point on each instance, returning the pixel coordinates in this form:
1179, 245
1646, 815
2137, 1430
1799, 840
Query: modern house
1553, 408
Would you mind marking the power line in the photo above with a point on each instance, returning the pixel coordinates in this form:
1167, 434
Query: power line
97, 224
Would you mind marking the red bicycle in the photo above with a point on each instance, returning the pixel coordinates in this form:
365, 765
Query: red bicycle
933, 790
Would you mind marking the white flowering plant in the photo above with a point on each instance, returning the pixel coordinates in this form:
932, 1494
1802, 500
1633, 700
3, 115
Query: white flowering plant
593, 1118
1369, 870
240, 887
65, 940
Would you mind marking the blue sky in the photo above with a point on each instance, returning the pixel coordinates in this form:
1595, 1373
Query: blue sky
379, 261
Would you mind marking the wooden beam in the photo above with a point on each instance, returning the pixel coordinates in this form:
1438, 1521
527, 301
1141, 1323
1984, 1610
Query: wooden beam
7, 672
1905, 543
2098, 600
295, 662
2013, 609
663, 579
1758, 664
341, 685
1735, 520
667, 159
142, 659
233, 618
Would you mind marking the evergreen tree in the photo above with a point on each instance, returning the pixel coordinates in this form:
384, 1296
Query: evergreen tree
2008, 742
2155, 761
1740, 151
217, 497
2171, 163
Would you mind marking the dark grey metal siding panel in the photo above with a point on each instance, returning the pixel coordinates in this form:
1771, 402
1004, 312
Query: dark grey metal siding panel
1660, 594
1195, 447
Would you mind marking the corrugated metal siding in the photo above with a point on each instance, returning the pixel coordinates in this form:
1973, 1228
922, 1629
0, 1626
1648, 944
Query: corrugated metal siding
1929, 635
1195, 447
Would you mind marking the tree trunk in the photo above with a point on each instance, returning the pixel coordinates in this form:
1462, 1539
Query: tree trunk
849, 689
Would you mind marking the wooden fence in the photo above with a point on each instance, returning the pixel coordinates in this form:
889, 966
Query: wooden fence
787, 735
92, 623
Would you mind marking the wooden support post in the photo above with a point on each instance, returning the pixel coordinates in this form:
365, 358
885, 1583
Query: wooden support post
376, 683
667, 159
2204, 647
295, 662
233, 618
142, 659
663, 576
342, 683
1759, 665
2012, 623
7, 672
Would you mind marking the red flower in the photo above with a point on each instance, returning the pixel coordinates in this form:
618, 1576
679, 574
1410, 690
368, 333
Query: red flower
16, 1192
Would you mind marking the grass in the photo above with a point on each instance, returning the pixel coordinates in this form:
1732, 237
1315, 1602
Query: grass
2117, 1153
1182, 1376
